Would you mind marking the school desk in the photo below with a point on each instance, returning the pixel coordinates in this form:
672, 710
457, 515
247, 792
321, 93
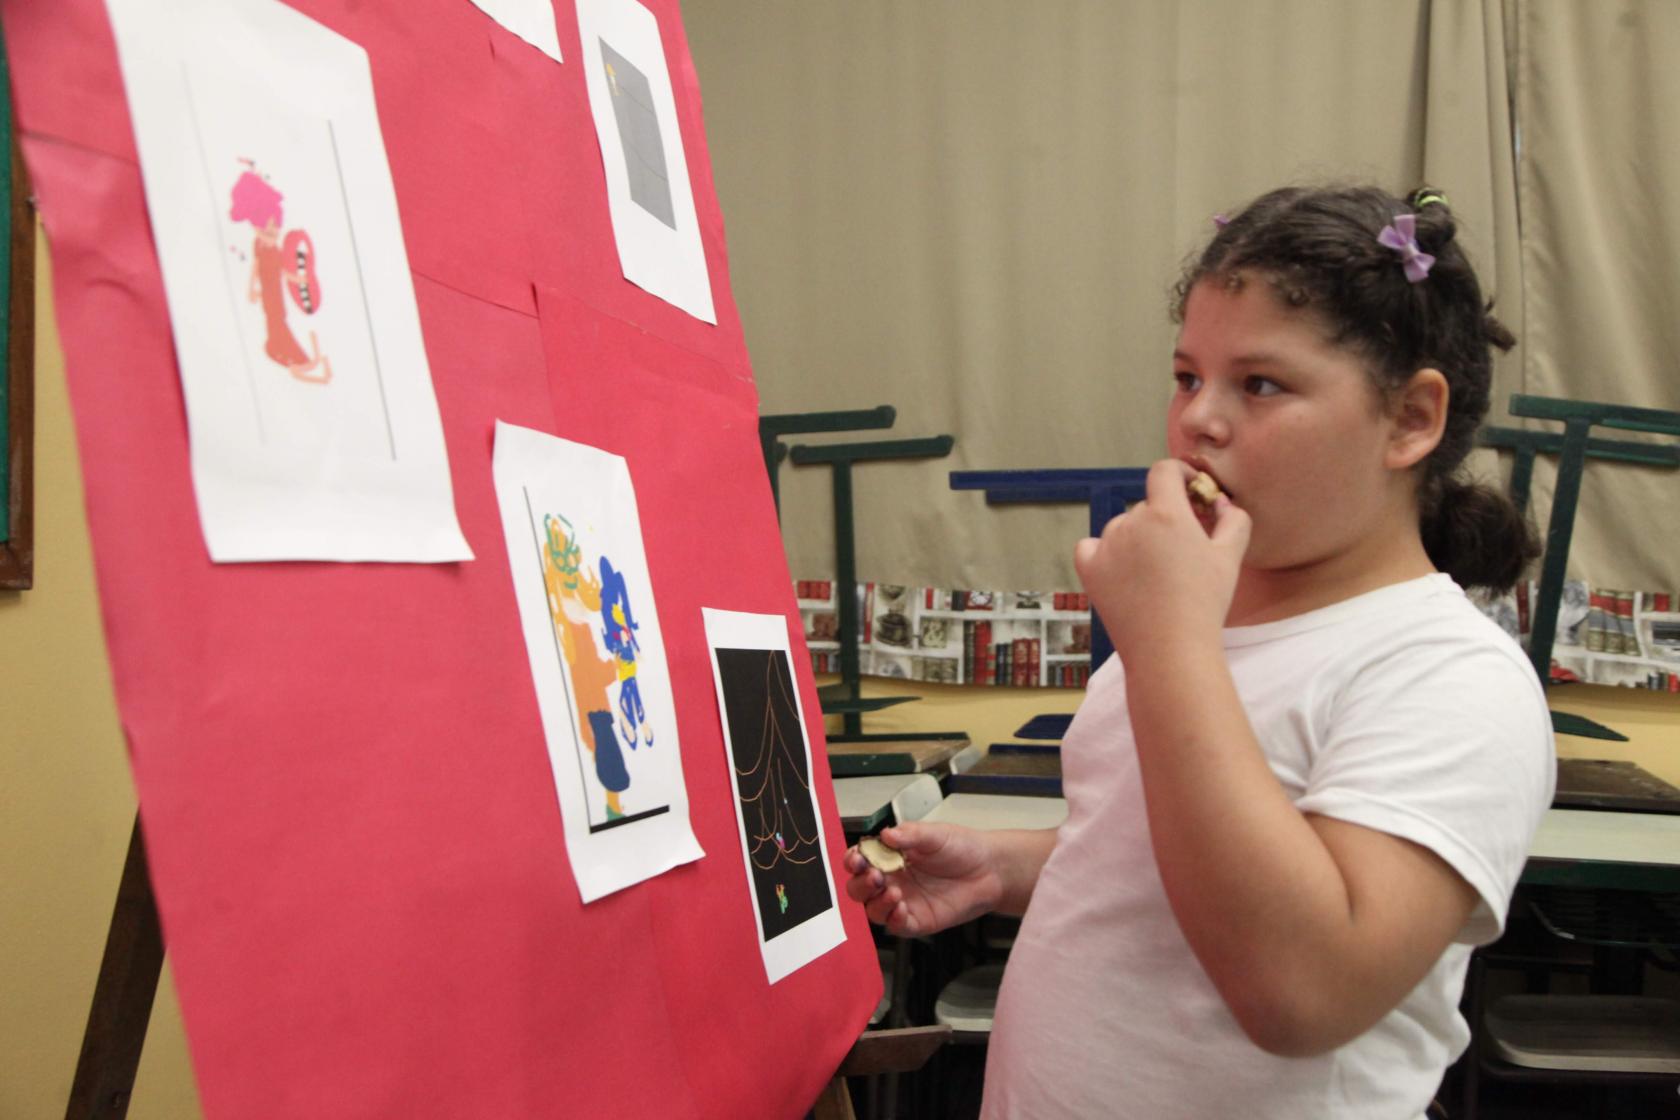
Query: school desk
1608, 849
1650, 720
1050, 726
990, 811
865, 803
1035, 770
892, 756
1574, 847
1603, 884
1615, 784
1018, 769
1592, 848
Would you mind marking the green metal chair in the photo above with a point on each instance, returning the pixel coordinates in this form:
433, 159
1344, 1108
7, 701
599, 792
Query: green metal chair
844, 698
1525, 948
772, 428
1573, 446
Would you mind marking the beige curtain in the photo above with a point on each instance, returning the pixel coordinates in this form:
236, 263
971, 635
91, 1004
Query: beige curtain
974, 209
1599, 182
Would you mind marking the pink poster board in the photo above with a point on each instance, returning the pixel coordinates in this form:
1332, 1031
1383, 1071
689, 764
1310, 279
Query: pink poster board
352, 827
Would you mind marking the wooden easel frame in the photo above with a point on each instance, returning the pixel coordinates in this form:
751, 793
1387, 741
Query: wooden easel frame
902, 1050
133, 962
122, 997
133, 958
17, 344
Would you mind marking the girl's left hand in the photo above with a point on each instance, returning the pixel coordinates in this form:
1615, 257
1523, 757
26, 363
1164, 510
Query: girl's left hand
1155, 570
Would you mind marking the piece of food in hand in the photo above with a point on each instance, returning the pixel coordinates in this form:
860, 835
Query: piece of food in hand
1203, 489
879, 855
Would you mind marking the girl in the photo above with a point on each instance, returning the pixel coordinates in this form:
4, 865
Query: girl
1305, 786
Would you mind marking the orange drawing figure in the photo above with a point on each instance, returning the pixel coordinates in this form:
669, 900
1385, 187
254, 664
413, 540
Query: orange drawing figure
574, 604
273, 275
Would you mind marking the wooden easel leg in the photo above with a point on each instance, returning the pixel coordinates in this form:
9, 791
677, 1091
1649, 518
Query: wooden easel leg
900, 1050
122, 999
835, 1102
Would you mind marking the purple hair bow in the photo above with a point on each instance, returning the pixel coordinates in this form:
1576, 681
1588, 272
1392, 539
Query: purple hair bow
1402, 238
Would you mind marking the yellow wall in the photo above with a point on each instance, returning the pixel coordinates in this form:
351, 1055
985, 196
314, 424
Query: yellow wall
68, 800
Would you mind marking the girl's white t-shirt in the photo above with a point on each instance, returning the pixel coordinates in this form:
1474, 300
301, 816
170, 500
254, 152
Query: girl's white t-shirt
1403, 710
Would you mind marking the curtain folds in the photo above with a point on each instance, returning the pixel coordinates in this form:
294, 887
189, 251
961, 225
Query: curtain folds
1599, 187
974, 210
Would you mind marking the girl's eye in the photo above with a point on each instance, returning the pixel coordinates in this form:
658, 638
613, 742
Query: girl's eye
1187, 382
1262, 386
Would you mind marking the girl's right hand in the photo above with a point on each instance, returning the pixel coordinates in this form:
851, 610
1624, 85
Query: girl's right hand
948, 878
1159, 569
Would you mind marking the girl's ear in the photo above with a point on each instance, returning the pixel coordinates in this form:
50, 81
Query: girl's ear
1420, 416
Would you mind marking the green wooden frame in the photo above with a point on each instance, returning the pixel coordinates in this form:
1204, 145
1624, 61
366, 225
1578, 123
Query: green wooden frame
17, 350
1578, 418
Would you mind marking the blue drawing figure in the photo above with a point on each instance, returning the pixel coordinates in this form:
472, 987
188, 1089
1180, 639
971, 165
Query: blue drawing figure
619, 633
574, 600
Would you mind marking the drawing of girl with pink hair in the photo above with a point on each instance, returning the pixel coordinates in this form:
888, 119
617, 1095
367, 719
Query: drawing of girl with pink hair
278, 270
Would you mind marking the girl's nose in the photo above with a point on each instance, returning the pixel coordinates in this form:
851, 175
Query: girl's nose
1204, 420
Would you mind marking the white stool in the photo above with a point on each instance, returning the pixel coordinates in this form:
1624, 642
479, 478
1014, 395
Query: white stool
1607, 1034
964, 760
917, 799
967, 1004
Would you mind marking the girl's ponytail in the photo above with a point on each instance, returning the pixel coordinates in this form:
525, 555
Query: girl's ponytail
1476, 535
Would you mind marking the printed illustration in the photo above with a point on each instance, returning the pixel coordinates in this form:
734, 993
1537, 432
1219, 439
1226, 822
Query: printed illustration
583, 604
778, 810
280, 269
649, 196
638, 129
574, 602
316, 381
599, 672
308, 395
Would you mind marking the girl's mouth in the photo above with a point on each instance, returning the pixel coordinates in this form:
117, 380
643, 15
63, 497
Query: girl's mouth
1217, 481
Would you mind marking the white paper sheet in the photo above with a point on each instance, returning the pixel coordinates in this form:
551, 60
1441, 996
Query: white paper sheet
648, 192
531, 20
783, 848
315, 432
574, 542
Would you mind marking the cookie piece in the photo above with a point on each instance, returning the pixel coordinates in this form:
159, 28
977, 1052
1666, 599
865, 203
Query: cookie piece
1203, 489
879, 855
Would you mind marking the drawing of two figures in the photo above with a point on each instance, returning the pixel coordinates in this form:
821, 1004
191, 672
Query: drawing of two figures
578, 602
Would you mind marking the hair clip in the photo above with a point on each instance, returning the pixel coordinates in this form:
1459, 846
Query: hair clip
1429, 197
1221, 221
1402, 238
